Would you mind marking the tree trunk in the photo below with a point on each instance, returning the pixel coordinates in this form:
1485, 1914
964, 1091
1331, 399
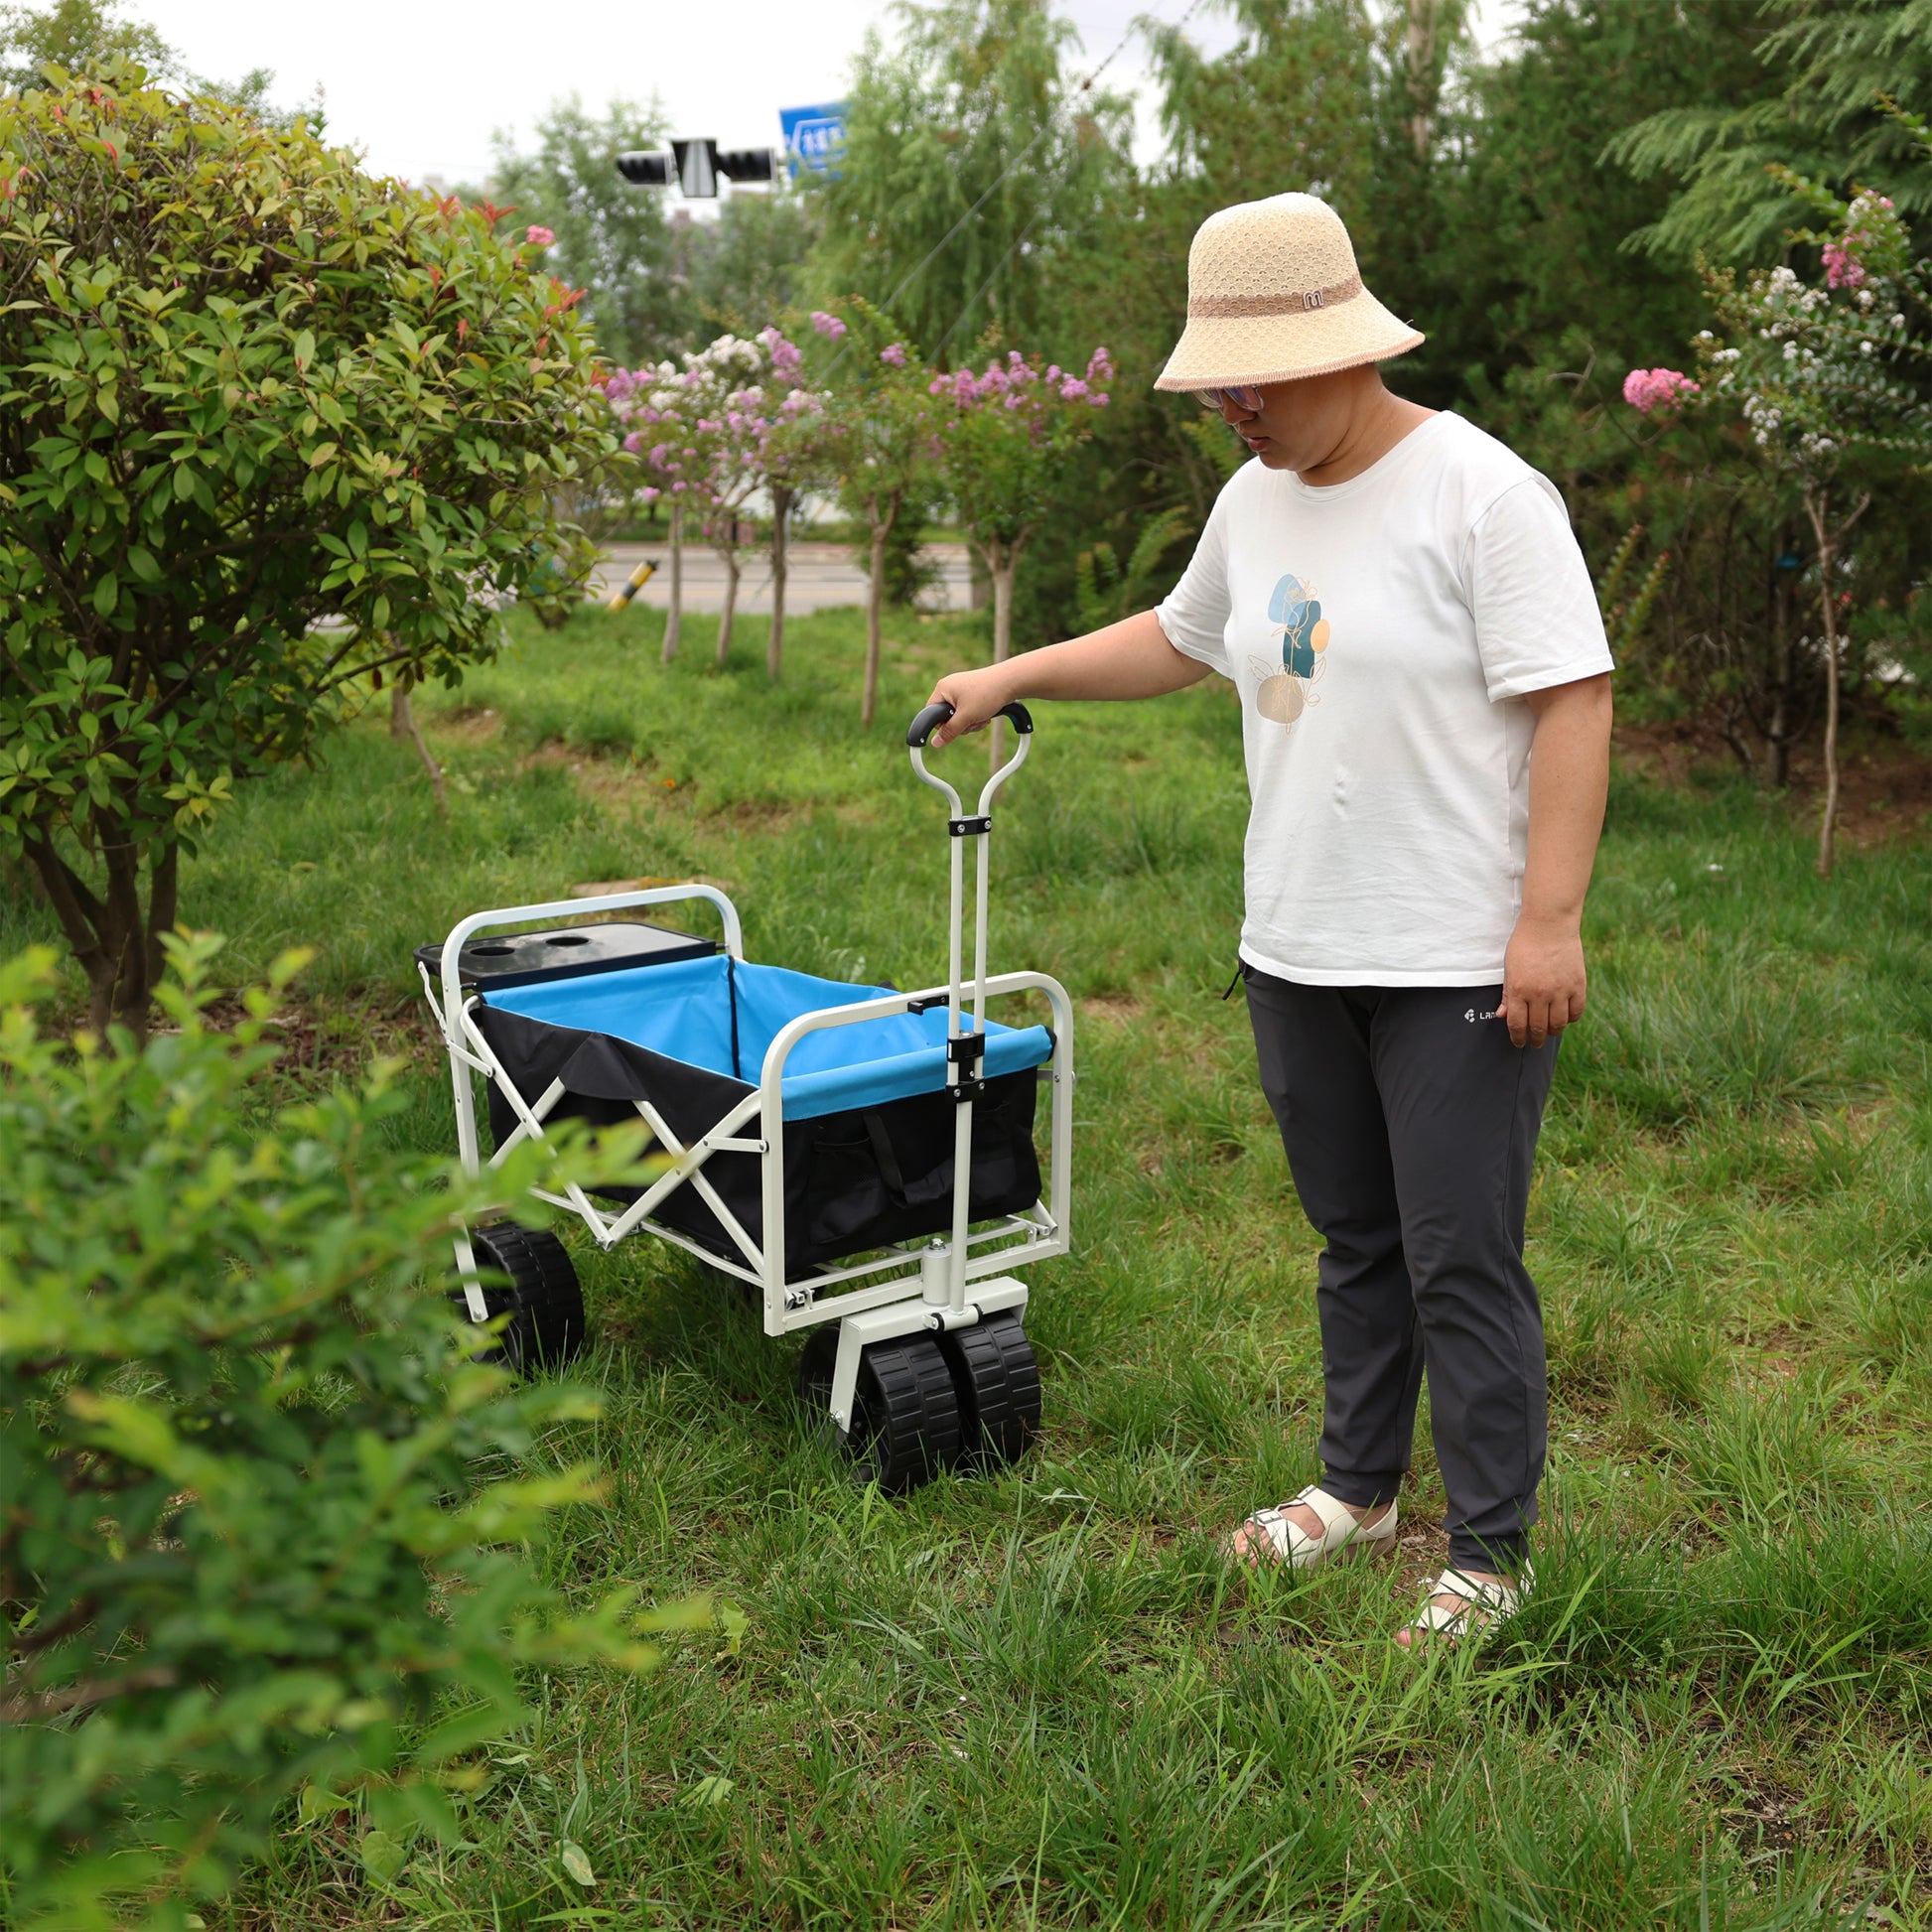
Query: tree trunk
674, 610
881, 530
1419, 49
781, 496
729, 551
1002, 563
1819, 508
402, 725
114, 942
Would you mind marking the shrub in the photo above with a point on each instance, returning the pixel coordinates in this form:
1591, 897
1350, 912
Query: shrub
245, 390
244, 1551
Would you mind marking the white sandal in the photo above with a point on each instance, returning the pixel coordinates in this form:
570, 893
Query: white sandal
1341, 1532
1487, 1606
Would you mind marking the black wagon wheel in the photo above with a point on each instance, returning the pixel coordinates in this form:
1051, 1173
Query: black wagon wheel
904, 1411
544, 1304
997, 1378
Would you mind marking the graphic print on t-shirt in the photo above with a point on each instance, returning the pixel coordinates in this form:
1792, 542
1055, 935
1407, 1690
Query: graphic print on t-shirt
1282, 692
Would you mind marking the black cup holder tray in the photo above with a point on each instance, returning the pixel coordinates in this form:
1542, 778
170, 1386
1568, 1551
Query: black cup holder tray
505, 959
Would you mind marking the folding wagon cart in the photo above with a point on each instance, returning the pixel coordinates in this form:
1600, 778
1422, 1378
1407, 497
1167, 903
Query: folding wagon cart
817, 1132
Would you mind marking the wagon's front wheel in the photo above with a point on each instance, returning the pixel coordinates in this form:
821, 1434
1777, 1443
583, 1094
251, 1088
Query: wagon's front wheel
997, 1376
542, 1299
904, 1411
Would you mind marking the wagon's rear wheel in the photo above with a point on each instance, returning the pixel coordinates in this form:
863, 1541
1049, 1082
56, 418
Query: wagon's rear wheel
904, 1411
544, 1304
997, 1378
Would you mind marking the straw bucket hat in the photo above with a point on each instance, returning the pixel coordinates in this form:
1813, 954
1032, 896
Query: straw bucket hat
1274, 294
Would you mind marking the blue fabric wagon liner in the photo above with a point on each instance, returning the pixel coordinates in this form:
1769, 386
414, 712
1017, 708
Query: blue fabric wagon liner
869, 1122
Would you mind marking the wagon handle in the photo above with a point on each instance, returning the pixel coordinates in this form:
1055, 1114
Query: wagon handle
934, 715
919, 733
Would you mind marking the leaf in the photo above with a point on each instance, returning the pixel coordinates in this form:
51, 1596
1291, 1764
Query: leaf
321, 454
734, 1623
141, 561
108, 593
382, 1856
305, 349
708, 1793
577, 1863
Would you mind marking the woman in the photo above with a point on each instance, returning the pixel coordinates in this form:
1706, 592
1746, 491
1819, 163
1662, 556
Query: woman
1425, 688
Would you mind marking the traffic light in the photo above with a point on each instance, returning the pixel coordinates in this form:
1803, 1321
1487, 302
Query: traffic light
695, 165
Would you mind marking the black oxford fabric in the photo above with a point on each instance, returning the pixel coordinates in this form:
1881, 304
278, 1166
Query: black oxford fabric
854, 1180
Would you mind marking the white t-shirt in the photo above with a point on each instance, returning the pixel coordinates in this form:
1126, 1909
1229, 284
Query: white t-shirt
1382, 632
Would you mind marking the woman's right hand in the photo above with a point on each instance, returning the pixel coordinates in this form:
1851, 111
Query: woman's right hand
976, 697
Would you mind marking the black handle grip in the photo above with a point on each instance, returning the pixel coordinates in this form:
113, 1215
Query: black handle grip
934, 715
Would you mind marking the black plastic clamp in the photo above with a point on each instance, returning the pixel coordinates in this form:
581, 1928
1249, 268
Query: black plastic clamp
967, 828
966, 1088
965, 1050
930, 1000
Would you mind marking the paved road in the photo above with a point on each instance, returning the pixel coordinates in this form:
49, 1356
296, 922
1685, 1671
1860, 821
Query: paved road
818, 576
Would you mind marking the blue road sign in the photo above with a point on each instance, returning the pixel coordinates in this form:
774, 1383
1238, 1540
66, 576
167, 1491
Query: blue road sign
814, 137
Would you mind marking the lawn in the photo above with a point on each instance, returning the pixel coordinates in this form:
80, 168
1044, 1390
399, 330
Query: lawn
1045, 1699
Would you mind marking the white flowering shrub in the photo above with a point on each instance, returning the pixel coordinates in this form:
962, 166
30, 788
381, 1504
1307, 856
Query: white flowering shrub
1819, 369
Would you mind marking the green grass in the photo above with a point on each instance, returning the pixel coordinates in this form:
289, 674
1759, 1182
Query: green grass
1044, 1700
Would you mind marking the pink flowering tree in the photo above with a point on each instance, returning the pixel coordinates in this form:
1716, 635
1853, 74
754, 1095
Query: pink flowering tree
1004, 438
734, 419
659, 410
1820, 374
795, 455
882, 449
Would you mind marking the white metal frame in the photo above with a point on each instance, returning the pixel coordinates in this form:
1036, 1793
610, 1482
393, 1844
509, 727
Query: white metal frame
946, 1284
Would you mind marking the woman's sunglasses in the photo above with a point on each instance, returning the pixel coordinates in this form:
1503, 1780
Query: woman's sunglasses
1241, 394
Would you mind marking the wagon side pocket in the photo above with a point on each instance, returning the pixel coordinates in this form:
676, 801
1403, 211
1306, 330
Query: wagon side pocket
848, 1192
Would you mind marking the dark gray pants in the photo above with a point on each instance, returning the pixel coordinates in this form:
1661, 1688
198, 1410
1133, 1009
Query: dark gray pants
1410, 1123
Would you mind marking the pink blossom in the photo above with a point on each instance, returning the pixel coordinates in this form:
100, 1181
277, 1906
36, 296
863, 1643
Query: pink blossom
1658, 391
650, 494
634, 442
1843, 269
1073, 389
1101, 366
827, 324
895, 353
539, 237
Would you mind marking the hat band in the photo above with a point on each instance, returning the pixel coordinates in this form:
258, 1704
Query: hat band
1226, 308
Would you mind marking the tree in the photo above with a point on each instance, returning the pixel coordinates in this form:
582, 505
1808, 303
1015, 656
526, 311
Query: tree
1004, 438
269, 430
659, 410
613, 240
1818, 373
1819, 384
79, 37
793, 456
971, 172
749, 264
882, 442
83, 36
1815, 114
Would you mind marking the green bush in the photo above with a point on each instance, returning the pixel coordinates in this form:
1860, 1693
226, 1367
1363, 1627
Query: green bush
245, 1552
270, 429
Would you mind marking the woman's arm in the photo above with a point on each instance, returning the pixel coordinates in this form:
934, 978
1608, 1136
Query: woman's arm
1129, 660
1544, 980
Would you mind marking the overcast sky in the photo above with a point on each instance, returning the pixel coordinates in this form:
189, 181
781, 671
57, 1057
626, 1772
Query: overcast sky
419, 89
